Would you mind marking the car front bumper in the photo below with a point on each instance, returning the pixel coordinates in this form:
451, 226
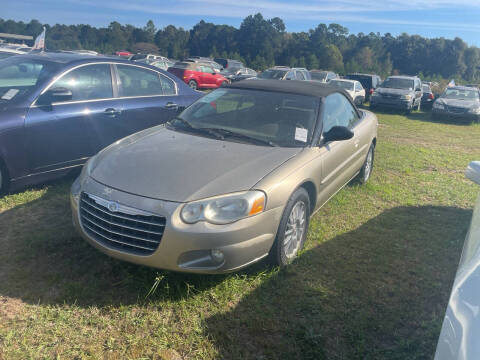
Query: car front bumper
391, 103
184, 247
467, 117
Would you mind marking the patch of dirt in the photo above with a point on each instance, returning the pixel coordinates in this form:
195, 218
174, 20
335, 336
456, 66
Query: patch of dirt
10, 308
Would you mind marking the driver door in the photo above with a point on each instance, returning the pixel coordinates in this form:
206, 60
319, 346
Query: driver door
339, 157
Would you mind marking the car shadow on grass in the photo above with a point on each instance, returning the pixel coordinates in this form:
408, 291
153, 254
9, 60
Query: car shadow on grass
427, 117
377, 292
44, 261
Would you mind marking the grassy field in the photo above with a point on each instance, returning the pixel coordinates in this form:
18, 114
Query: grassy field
372, 283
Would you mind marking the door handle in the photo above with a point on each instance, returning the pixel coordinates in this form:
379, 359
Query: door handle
112, 112
171, 106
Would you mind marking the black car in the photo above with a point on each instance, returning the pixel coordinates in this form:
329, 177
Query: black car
370, 82
58, 109
243, 74
285, 73
398, 92
460, 103
229, 63
323, 76
428, 97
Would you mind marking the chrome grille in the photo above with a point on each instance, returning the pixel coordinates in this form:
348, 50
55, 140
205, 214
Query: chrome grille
120, 227
391, 96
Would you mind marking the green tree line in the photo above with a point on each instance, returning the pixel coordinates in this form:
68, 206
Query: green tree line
261, 43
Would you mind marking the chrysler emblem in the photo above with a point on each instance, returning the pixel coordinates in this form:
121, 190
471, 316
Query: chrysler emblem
113, 206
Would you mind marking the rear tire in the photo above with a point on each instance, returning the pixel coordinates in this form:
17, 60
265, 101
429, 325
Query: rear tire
292, 230
193, 84
367, 166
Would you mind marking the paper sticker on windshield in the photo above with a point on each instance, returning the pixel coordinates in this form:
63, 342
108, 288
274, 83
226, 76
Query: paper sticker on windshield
10, 94
301, 134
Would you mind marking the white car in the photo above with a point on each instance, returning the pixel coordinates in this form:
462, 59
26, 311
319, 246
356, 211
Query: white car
353, 87
459, 338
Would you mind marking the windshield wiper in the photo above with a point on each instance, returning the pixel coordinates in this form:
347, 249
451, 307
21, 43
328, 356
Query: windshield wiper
190, 127
228, 133
183, 121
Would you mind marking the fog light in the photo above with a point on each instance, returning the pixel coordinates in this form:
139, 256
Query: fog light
217, 255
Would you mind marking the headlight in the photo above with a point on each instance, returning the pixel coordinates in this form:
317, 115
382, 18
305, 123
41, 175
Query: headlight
475, 111
87, 168
406, 97
437, 105
224, 209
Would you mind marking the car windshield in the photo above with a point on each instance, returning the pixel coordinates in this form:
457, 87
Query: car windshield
426, 88
347, 85
19, 76
272, 74
460, 94
397, 83
258, 117
319, 76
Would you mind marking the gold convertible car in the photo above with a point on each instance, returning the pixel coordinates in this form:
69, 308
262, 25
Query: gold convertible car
233, 179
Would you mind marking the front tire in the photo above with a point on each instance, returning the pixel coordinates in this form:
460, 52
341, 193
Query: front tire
292, 230
367, 167
193, 84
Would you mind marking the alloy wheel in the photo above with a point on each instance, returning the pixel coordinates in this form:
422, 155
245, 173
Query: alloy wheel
368, 165
295, 230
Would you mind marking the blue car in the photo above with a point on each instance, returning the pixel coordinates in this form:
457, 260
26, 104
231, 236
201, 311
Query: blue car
57, 110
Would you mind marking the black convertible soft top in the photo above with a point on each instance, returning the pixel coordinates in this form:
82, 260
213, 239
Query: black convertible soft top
310, 88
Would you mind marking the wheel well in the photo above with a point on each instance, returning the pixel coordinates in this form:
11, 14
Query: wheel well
312, 194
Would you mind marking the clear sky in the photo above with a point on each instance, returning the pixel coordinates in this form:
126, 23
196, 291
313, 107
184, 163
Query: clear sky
430, 18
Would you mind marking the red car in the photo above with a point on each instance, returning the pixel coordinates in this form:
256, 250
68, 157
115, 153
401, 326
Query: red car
198, 75
123, 53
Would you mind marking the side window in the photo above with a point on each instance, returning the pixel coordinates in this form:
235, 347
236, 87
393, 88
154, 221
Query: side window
88, 82
337, 111
290, 75
300, 75
206, 69
168, 85
137, 81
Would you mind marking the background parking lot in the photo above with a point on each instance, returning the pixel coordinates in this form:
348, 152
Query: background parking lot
372, 283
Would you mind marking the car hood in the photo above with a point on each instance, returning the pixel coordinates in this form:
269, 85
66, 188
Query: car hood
169, 165
389, 91
467, 104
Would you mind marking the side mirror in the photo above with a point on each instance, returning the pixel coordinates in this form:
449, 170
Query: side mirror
338, 133
57, 94
473, 172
